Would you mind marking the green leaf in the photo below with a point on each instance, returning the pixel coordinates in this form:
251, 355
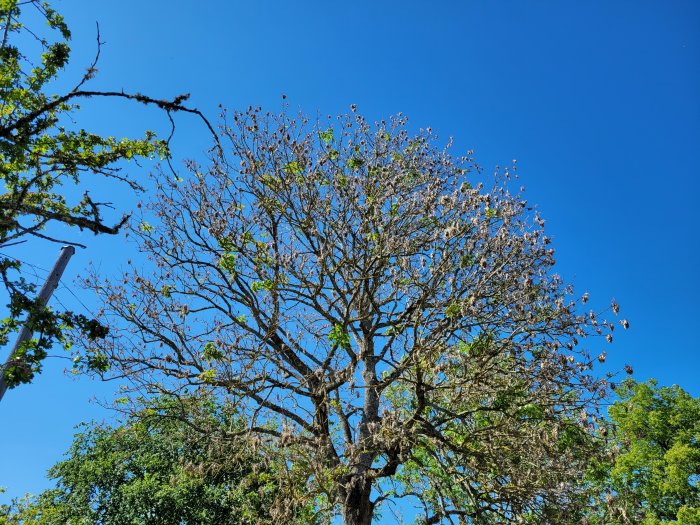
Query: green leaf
453, 309
208, 376
326, 136
211, 352
292, 168
266, 285
227, 262
355, 163
338, 336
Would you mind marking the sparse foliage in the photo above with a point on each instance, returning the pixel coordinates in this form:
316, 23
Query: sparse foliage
365, 301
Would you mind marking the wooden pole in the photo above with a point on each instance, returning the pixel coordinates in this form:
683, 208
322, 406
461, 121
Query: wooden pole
44, 295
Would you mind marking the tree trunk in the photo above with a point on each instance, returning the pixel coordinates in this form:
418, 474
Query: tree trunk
358, 508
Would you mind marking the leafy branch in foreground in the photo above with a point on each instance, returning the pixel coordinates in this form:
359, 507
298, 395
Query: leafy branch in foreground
45, 156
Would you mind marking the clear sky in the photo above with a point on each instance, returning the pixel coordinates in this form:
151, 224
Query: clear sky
599, 102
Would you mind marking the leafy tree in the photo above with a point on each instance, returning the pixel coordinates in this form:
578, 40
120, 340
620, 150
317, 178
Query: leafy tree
652, 476
156, 470
394, 325
42, 154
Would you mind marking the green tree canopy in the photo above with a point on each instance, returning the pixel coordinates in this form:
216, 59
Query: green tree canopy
155, 469
653, 477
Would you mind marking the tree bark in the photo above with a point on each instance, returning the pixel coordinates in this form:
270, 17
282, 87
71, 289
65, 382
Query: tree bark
358, 508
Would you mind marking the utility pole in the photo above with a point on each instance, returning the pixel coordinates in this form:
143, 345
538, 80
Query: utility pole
44, 294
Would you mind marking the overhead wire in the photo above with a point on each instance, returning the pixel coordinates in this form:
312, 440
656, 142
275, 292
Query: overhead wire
62, 285
8, 256
75, 296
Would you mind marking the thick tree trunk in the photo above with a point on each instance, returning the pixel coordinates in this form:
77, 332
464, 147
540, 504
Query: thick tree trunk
358, 508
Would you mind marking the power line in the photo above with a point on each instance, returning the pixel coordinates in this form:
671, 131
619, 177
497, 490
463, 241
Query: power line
75, 296
58, 300
37, 276
24, 262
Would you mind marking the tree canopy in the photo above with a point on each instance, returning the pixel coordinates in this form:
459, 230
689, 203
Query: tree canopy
45, 158
395, 325
652, 474
155, 469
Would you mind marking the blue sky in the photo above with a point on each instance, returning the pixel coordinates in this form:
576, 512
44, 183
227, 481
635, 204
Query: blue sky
598, 102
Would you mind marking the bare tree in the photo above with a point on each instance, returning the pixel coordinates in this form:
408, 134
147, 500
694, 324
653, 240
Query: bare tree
393, 325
